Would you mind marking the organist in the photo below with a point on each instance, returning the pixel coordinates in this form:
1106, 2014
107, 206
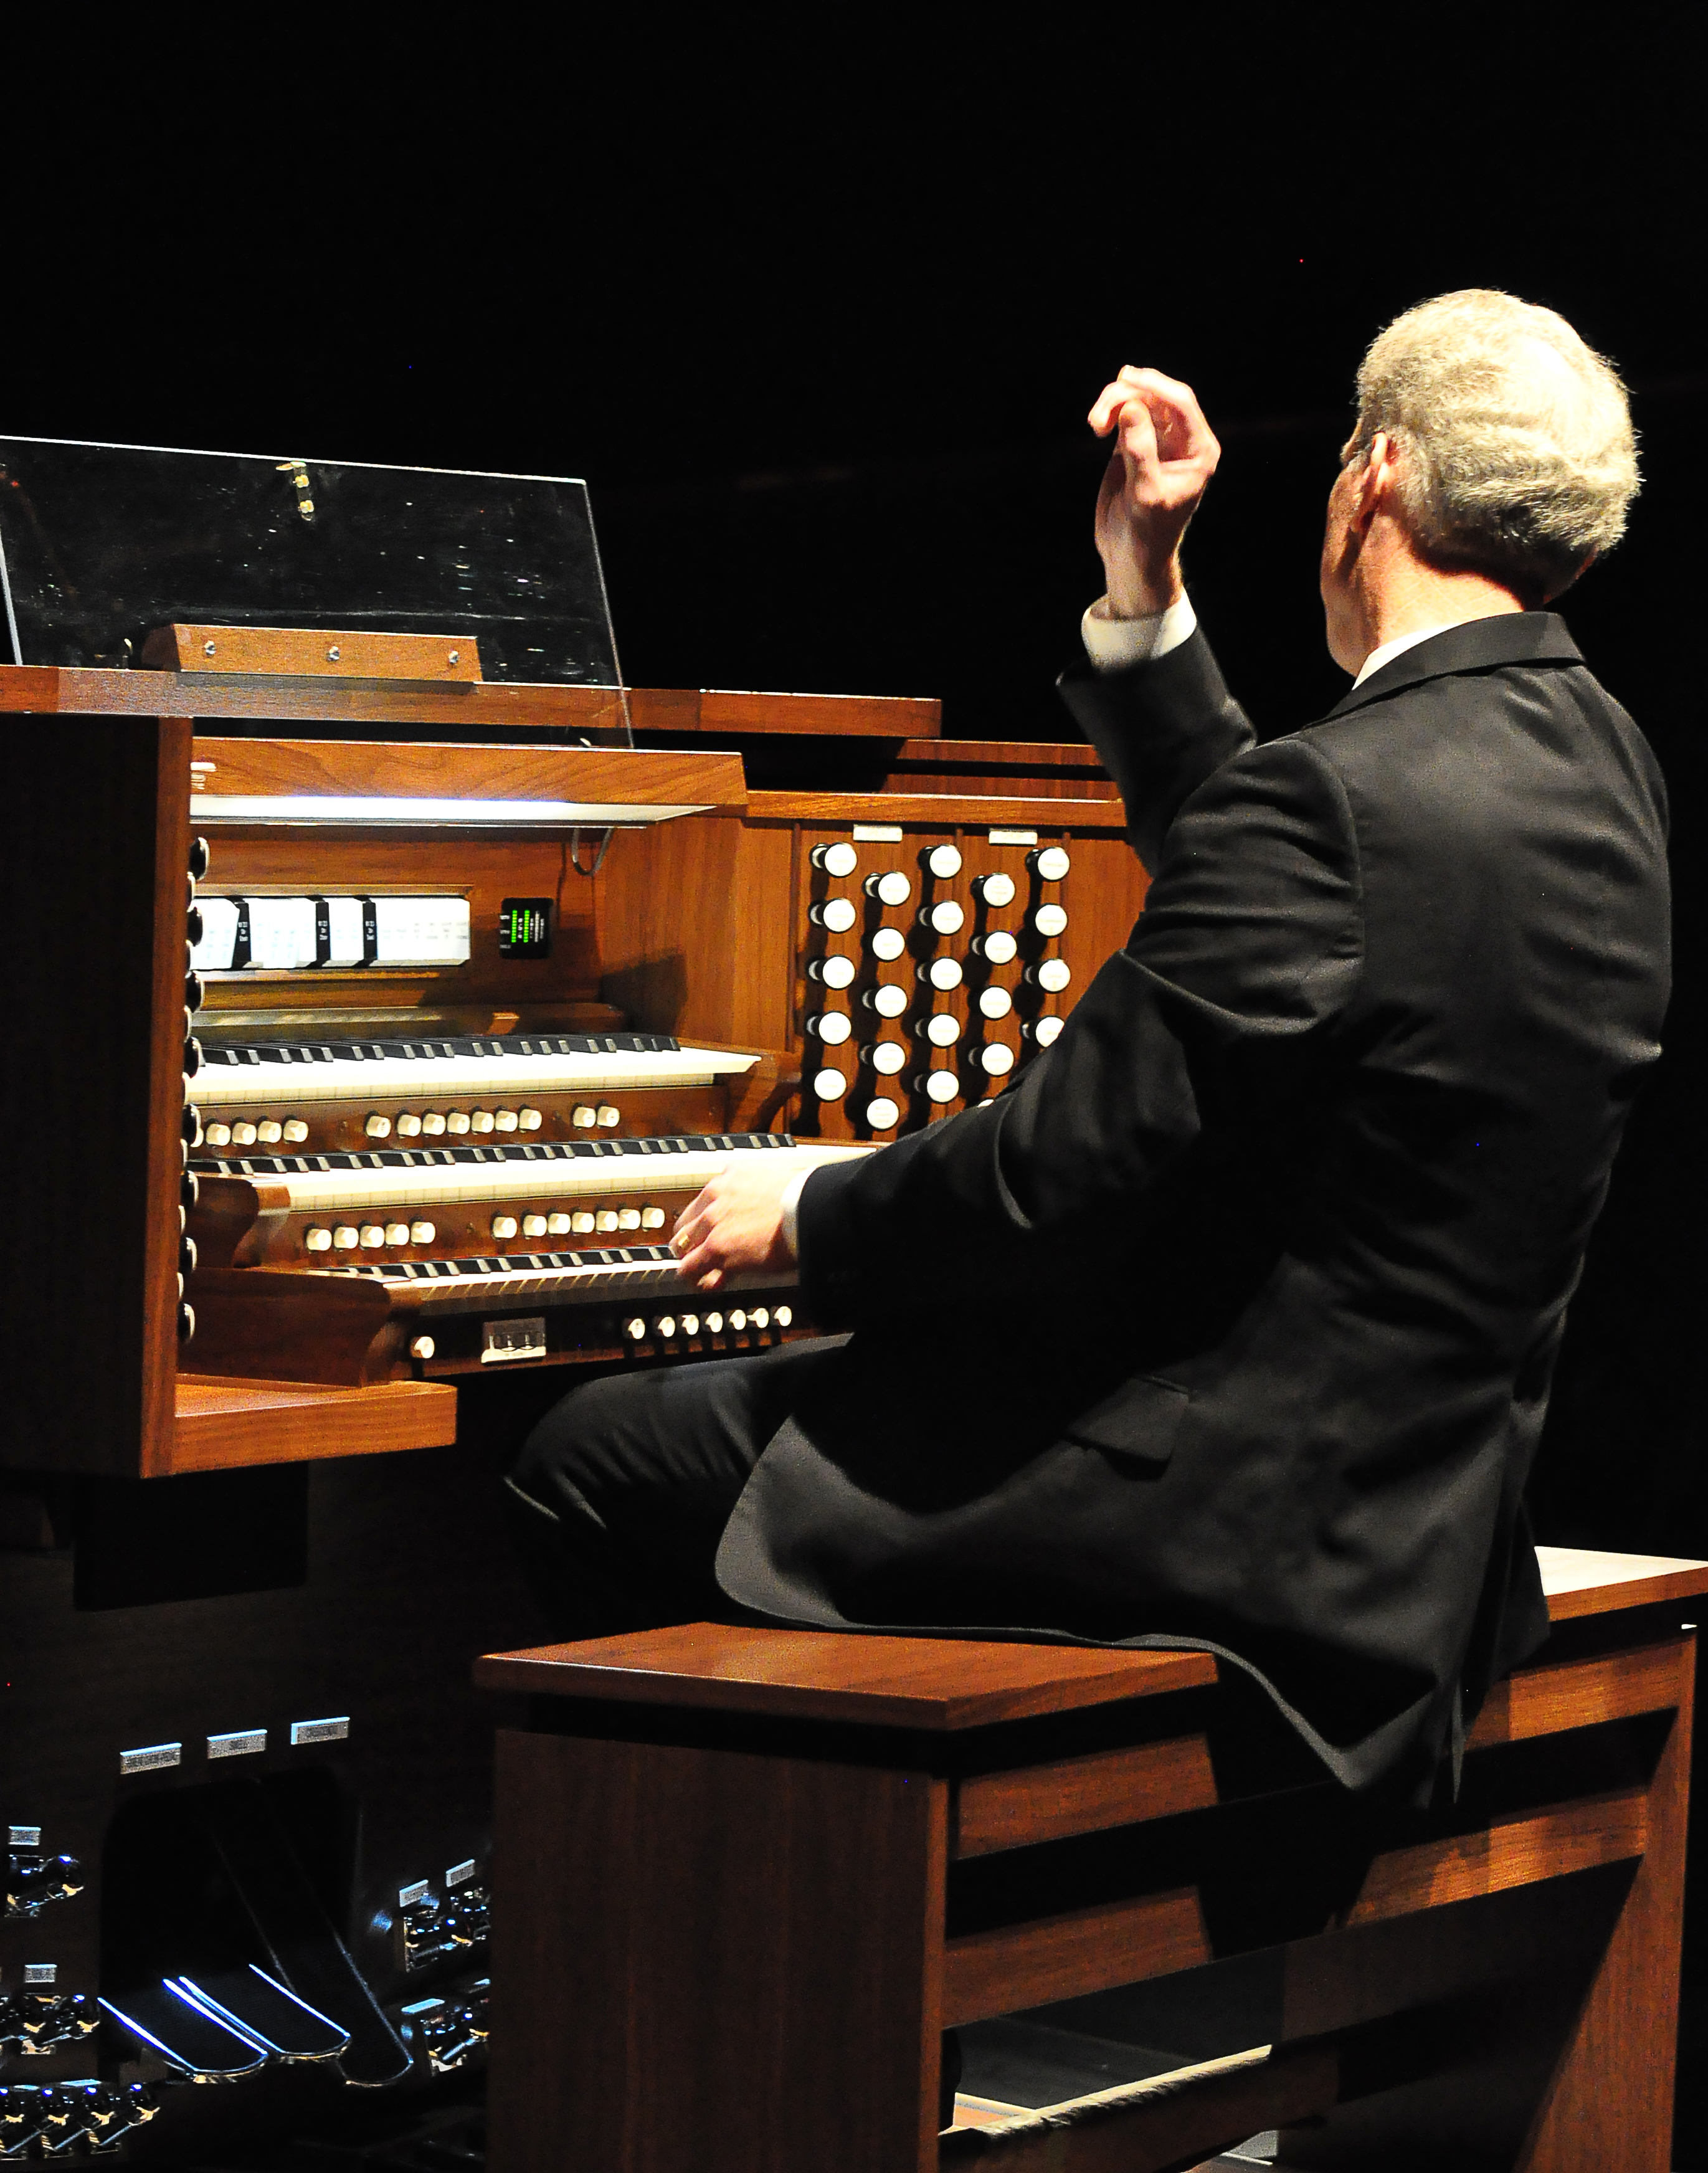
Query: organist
1232, 1323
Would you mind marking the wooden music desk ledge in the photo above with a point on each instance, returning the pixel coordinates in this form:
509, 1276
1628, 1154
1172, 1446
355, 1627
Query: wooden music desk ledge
745, 1877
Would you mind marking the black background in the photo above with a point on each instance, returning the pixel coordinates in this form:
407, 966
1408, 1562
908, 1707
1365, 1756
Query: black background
817, 303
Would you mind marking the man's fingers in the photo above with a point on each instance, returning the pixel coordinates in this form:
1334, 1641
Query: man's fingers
1178, 422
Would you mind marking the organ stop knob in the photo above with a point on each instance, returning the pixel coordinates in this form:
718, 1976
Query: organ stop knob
995, 1003
996, 1058
997, 889
946, 918
838, 915
882, 1114
941, 862
1045, 1031
834, 973
1050, 919
942, 974
839, 859
1051, 862
830, 1084
887, 1001
888, 944
999, 946
892, 889
832, 1028
1051, 974
943, 1029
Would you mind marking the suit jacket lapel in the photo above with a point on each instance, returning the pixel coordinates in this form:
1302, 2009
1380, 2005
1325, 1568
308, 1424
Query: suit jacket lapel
1479, 644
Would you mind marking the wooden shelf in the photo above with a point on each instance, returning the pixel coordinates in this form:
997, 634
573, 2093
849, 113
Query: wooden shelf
221, 1423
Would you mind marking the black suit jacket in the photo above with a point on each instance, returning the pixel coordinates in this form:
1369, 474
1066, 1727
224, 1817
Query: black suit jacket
1232, 1322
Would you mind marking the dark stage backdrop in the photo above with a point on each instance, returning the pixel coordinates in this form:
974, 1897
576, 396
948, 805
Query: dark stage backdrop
821, 329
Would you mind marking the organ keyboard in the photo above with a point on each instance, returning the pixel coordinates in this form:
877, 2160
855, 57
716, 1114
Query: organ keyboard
363, 1143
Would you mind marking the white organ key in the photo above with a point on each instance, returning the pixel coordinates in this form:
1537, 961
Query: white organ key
409, 1127
995, 1003
1051, 862
1050, 919
941, 862
839, 859
997, 889
888, 944
892, 889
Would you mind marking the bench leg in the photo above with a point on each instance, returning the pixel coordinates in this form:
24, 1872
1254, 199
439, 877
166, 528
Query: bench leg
709, 1959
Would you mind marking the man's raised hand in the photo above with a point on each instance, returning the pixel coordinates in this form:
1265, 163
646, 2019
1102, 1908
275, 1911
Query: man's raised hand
1164, 456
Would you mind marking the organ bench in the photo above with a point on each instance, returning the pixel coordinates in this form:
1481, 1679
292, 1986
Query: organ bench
745, 1876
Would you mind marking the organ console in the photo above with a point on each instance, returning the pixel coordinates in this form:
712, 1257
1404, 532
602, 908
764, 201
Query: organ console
368, 1028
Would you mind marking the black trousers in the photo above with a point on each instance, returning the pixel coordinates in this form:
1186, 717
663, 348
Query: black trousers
623, 1489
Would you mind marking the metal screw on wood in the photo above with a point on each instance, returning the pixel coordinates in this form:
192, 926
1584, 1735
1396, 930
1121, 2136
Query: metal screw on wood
332, 656
208, 648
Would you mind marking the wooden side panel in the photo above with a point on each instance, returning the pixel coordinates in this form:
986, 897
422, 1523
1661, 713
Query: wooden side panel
1611, 2104
995, 1811
91, 992
222, 1425
1083, 1950
711, 1960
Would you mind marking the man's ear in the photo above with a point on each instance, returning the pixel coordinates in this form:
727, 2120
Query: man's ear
1378, 478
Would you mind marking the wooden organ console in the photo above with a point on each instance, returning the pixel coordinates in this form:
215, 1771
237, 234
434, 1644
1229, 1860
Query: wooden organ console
367, 1029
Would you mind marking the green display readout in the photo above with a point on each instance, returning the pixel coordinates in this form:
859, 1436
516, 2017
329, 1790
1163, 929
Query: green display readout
524, 928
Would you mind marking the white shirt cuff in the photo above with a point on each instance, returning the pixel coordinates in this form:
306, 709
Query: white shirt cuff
1113, 644
791, 1205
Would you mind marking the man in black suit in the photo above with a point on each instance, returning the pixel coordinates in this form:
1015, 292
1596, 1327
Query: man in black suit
1232, 1323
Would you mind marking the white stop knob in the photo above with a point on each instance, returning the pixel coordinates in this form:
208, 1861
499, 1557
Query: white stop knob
832, 1028
409, 1127
760, 1317
882, 1114
888, 944
269, 1131
829, 1085
457, 1122
1051, 974
942, 862
432, 1124
715, 1323
635, 1329
997, 889
377, 1127
558, 1226
690, 1324
628, 1218
891, 889
533, 1226
947, 919
397, 1233
942, 1086
835, 913
295, 1131
481, 1120
888, 1057
373, 1236
738, 1320
942, 974
652, 1218
834, 972
582, 1221
423, 1233
999, 946
422, 1347
667, 1326
610, 1117
530, 1120
942, 1030
1050, 919
996, 1059
1051, 862
605, 1219
217, 1136
995, 1003
503, 1225
506, 1120
582, 1118
317, 1240
346, 1238
243, 1135
888, 1001
1046, 1031
839, 859
783, 1316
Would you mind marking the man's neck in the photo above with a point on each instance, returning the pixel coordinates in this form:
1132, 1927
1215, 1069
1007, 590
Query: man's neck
1404, 599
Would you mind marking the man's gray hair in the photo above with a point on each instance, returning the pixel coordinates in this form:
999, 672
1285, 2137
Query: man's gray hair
1518, 453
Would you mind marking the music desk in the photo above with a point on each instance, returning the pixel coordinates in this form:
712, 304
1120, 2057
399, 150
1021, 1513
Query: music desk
745, 1877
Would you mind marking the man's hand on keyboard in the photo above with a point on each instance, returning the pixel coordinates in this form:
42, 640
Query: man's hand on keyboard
735, 1223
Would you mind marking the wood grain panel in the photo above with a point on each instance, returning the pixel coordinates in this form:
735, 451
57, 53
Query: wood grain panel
1584, 1693
938, 1683
982, 810
908, 716
1581, 1581
223, 1423
400, 769
1048, 769
326, 653
686, 1974
156, 1441
1516, 1851
1082, 1950
995, 1811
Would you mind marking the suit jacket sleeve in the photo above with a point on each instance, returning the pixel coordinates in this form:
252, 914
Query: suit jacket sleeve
1220, 1005
1162, 729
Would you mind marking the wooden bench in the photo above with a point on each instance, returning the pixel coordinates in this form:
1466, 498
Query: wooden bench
745, 1877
